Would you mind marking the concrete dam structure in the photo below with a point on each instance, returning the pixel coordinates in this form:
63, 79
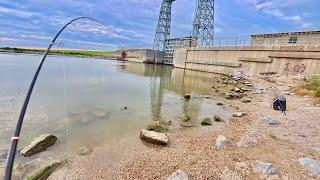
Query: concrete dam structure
250, 59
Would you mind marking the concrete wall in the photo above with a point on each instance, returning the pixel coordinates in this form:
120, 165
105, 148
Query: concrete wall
250, 59
304, 39
142, 55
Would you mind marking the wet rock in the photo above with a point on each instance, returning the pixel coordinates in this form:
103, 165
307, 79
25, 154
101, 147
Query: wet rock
187, 96
84, 151
39, 144
217, 118
206, 122
270, 121
178, 175
310, 164
185, 118
266, 168
46, 171
154, 126
246, 100
239, 114
221, 141
220, 104
154, 137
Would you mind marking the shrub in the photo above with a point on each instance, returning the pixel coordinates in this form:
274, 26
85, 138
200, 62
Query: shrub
317, 91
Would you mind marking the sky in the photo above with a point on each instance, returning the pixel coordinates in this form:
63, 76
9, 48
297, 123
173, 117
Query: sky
33, 23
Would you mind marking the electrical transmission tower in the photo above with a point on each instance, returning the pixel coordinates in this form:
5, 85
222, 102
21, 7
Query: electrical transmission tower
203, 27
163, 31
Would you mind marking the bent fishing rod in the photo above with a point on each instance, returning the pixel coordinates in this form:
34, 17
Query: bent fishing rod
16, 135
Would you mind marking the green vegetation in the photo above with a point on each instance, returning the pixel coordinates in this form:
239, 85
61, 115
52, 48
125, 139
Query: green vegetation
74, 52
310, 87
317, 90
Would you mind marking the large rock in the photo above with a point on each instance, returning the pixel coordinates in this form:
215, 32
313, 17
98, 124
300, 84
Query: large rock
312, 165
270, 121
266, 168
154, 137
221, 141
178, 175
39, 144
46, 171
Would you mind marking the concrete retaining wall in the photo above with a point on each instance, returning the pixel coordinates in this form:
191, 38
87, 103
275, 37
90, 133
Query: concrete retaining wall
250, 59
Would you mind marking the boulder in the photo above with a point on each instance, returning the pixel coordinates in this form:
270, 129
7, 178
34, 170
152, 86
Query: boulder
46, 171
185, 118
84, 151
310, 164
206, 122
266, 168
39, 144
221, 141
154, 137
178, 175
218, 118
154, 126
270, 121
239, 114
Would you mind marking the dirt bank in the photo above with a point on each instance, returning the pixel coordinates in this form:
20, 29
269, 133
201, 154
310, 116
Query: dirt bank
192, 149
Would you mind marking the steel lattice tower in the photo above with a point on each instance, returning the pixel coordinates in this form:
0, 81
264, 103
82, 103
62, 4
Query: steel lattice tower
203, 27
163, 30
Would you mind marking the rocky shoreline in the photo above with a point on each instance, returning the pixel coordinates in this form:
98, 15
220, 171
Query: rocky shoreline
257, 142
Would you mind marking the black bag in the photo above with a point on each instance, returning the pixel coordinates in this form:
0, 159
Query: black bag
280, 103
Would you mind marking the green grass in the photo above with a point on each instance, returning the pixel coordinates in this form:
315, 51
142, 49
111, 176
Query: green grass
59, 51
317, 91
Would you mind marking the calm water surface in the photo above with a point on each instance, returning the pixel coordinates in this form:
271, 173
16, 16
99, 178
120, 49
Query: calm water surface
82, 100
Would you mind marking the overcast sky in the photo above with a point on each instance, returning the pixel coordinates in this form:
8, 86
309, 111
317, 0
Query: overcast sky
32, 23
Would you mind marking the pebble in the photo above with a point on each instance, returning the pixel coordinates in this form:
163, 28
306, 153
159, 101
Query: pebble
239, 114
270, 121
221, 141
312, 165
178, 175
266, 168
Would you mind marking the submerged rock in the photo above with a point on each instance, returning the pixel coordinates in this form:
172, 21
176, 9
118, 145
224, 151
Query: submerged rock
154, 137
185, 118
221, 141
266, 168
46, 171
84, 151
178, 175
187, 96
312, 165
219, 104
39, 144
270, 121
99, 113
153, 126
206, 122
218, 118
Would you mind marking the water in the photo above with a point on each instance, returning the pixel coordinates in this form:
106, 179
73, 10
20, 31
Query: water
82, 101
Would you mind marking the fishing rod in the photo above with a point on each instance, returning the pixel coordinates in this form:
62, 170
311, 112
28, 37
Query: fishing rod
16, 135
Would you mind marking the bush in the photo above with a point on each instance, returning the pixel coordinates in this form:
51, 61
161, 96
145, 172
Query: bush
317, 91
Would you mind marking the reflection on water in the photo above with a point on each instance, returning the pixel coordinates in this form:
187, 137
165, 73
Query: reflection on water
89, 102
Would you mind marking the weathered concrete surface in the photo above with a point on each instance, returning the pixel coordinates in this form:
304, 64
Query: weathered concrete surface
250, 59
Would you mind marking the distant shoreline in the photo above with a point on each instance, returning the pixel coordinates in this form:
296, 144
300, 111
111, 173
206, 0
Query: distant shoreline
61, 52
